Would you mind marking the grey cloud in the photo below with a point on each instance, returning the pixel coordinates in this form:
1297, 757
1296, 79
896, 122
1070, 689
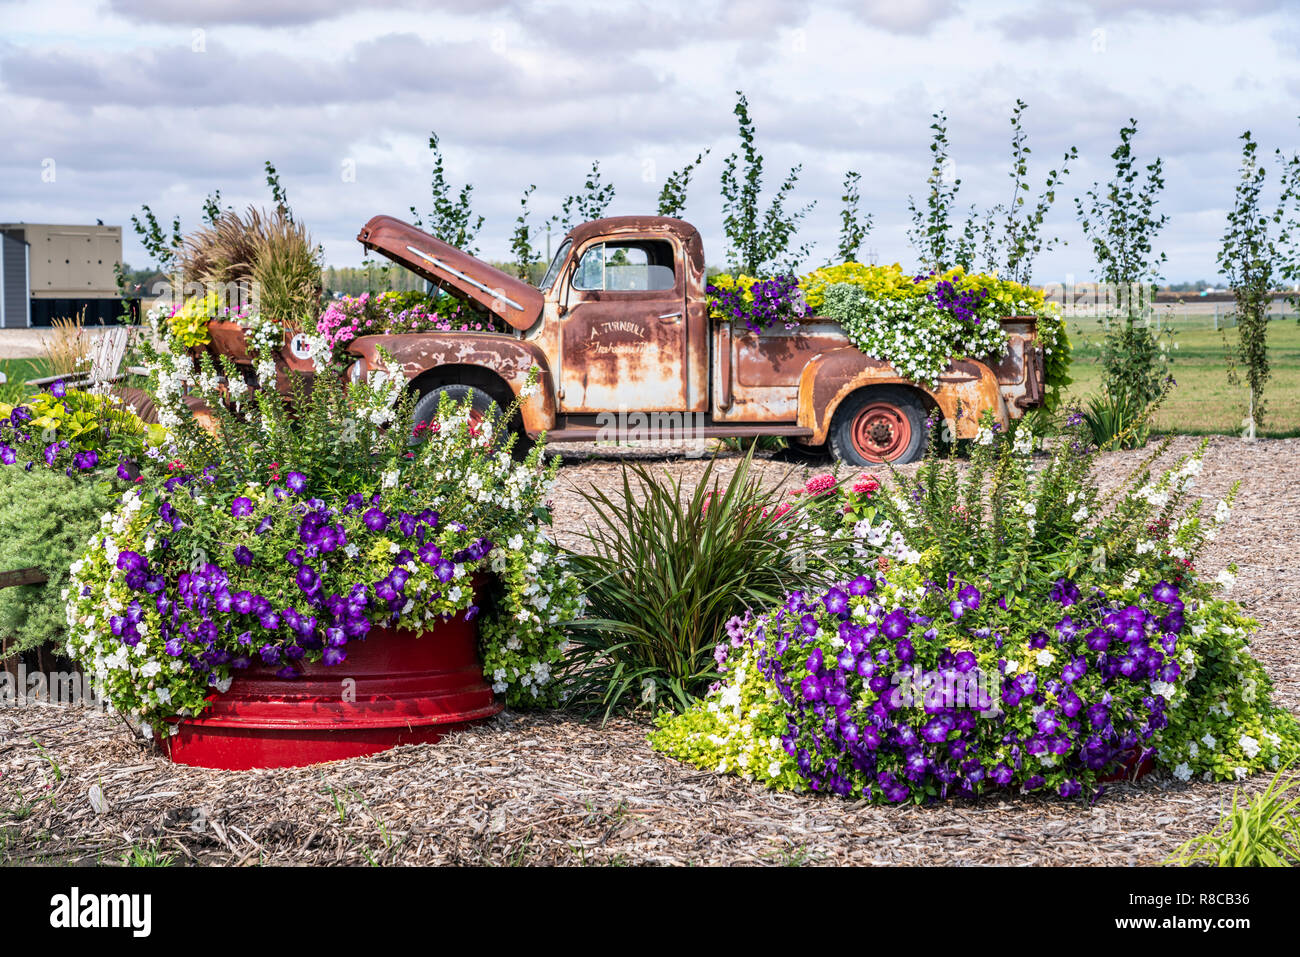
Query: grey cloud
270, 13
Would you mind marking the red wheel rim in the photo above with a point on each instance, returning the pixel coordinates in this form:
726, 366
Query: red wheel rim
881, 432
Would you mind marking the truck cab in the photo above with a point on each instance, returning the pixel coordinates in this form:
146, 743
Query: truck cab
621, 334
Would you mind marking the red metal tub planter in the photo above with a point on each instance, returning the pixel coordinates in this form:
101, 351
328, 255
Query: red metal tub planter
394, 687
368, 594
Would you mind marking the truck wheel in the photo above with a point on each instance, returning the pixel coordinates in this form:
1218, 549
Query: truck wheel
483, 408
884, 424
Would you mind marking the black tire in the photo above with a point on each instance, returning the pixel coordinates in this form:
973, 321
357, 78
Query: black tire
879, 424
426, 410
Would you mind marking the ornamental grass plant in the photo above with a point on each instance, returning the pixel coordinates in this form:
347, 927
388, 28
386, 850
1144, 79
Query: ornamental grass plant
665, 569
67, 350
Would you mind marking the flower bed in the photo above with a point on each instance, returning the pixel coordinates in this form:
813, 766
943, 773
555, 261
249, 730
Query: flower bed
1034, 634
393, 313
285, 539
918, 324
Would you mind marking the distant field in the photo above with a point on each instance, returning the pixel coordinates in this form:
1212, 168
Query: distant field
1203, 401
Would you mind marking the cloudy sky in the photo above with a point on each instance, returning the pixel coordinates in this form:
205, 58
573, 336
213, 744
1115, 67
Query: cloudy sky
126, 102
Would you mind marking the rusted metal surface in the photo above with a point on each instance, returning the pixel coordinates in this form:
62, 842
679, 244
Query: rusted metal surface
228, 340
430, 359
611, 339
506, 296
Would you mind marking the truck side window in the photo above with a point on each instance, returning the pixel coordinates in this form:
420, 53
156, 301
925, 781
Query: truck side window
633, 266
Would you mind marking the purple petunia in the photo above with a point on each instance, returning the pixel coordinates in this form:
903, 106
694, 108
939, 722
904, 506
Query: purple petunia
296, 482
895, 624
376, 520
241, 507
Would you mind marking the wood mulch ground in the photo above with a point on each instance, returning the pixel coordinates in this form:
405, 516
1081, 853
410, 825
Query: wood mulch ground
75, 786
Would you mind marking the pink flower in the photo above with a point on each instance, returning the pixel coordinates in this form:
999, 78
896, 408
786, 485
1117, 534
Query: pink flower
820, 484
866, 485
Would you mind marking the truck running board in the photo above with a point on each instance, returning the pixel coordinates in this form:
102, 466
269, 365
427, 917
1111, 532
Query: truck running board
670, 429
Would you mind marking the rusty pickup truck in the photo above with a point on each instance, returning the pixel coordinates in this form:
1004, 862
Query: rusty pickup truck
620, 331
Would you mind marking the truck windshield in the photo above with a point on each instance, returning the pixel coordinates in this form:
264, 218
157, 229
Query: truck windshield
554, 269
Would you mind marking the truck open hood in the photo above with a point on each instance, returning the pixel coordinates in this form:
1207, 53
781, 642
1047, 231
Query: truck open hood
514, 300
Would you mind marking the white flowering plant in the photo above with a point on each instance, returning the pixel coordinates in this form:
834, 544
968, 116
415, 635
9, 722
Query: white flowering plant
917, 336
278, 538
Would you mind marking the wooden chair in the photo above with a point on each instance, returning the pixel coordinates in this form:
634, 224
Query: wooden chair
107, 352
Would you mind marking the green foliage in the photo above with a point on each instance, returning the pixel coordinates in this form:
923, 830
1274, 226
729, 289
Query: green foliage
1119, 220
48, 517
330, 430
589, 204
667, 569
758, 241
520, 240
1262, 833
672, 198
1017, 521
452, 217
278, 194
1021, 237
854, 226
1249, 259
148, 855
1115, 421
1134, 363
930, 232
1008, 237
212, 207
163, 247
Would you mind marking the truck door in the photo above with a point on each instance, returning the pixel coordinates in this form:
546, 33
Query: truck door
624, 331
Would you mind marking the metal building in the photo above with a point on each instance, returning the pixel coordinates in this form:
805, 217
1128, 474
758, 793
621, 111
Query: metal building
60, 271
15, 294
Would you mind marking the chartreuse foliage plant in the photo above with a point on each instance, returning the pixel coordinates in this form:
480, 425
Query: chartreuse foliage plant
1019, 628
666, 568
324, 526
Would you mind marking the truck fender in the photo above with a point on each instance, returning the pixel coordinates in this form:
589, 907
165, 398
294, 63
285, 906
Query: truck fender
830, 377
509, 359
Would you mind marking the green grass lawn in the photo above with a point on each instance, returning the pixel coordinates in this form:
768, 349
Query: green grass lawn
1203, 402
17, 372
